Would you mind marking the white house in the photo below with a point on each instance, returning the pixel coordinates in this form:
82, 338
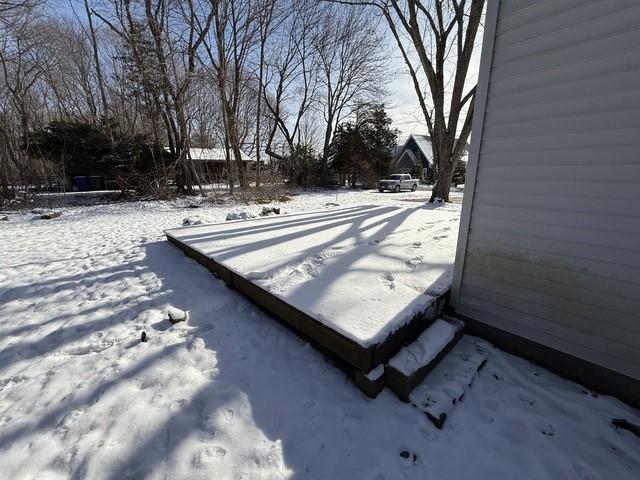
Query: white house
548, 259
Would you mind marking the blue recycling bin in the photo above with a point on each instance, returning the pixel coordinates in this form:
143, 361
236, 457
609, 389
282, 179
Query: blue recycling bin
82, 183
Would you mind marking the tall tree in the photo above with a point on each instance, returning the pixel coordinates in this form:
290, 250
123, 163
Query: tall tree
98, 66
265, 18
352, 65
21, 62
436, 38
172, 32
291, 76
227, 50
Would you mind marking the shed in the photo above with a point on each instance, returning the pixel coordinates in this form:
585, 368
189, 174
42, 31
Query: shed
548, 259
212, 161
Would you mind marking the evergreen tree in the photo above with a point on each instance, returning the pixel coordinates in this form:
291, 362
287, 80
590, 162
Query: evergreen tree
362, 151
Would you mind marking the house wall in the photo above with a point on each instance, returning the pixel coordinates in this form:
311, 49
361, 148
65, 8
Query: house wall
549, 245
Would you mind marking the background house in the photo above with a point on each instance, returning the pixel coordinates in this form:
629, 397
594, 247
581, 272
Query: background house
211, 163
415, 156
548, 259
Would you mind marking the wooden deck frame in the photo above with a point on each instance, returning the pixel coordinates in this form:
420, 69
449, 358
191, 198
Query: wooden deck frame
356, 356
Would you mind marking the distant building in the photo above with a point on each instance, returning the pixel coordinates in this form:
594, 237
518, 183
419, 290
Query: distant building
415, 156
213, 161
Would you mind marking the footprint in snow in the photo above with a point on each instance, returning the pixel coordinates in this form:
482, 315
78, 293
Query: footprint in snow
546, 429
410, 464
527, 399
413, 263
387, 280
208, 455
407, 458
584, 472
178, 405
228, 415
493, 405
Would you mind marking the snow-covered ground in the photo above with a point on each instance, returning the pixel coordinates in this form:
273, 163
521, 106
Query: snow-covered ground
360, 270
231, 393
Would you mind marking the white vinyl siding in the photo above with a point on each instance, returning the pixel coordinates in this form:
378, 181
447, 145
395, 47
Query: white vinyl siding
552, 248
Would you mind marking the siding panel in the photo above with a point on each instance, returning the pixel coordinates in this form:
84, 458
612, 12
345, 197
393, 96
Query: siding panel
568, 13
573, 79
553, 319
553, 242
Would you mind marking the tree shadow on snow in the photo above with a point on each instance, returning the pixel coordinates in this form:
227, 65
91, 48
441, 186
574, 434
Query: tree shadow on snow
261, 367
260, 364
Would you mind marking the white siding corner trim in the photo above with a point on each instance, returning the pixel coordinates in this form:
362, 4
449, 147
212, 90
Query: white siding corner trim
488, 39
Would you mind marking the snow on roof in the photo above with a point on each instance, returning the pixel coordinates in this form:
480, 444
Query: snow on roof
212, 154
424, 144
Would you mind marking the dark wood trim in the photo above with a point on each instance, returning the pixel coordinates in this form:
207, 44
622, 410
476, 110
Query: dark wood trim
371, 388
309, 328
593, 376
346, 350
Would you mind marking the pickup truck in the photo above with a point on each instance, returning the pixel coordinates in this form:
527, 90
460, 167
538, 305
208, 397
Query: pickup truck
397, 182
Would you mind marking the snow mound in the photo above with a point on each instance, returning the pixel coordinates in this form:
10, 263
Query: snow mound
243, 215
191, 221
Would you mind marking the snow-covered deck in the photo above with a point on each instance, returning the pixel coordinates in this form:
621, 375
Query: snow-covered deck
358, 280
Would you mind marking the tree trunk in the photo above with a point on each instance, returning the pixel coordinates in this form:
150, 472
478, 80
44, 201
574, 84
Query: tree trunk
445, 167
96, 59
324, 167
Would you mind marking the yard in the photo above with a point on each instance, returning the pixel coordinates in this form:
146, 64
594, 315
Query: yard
231, 393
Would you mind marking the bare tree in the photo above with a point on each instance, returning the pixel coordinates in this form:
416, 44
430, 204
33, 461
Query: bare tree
437, 38
265, 18
352, 67
291, 77
20, 69
174, 37
226, 54
98, 66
